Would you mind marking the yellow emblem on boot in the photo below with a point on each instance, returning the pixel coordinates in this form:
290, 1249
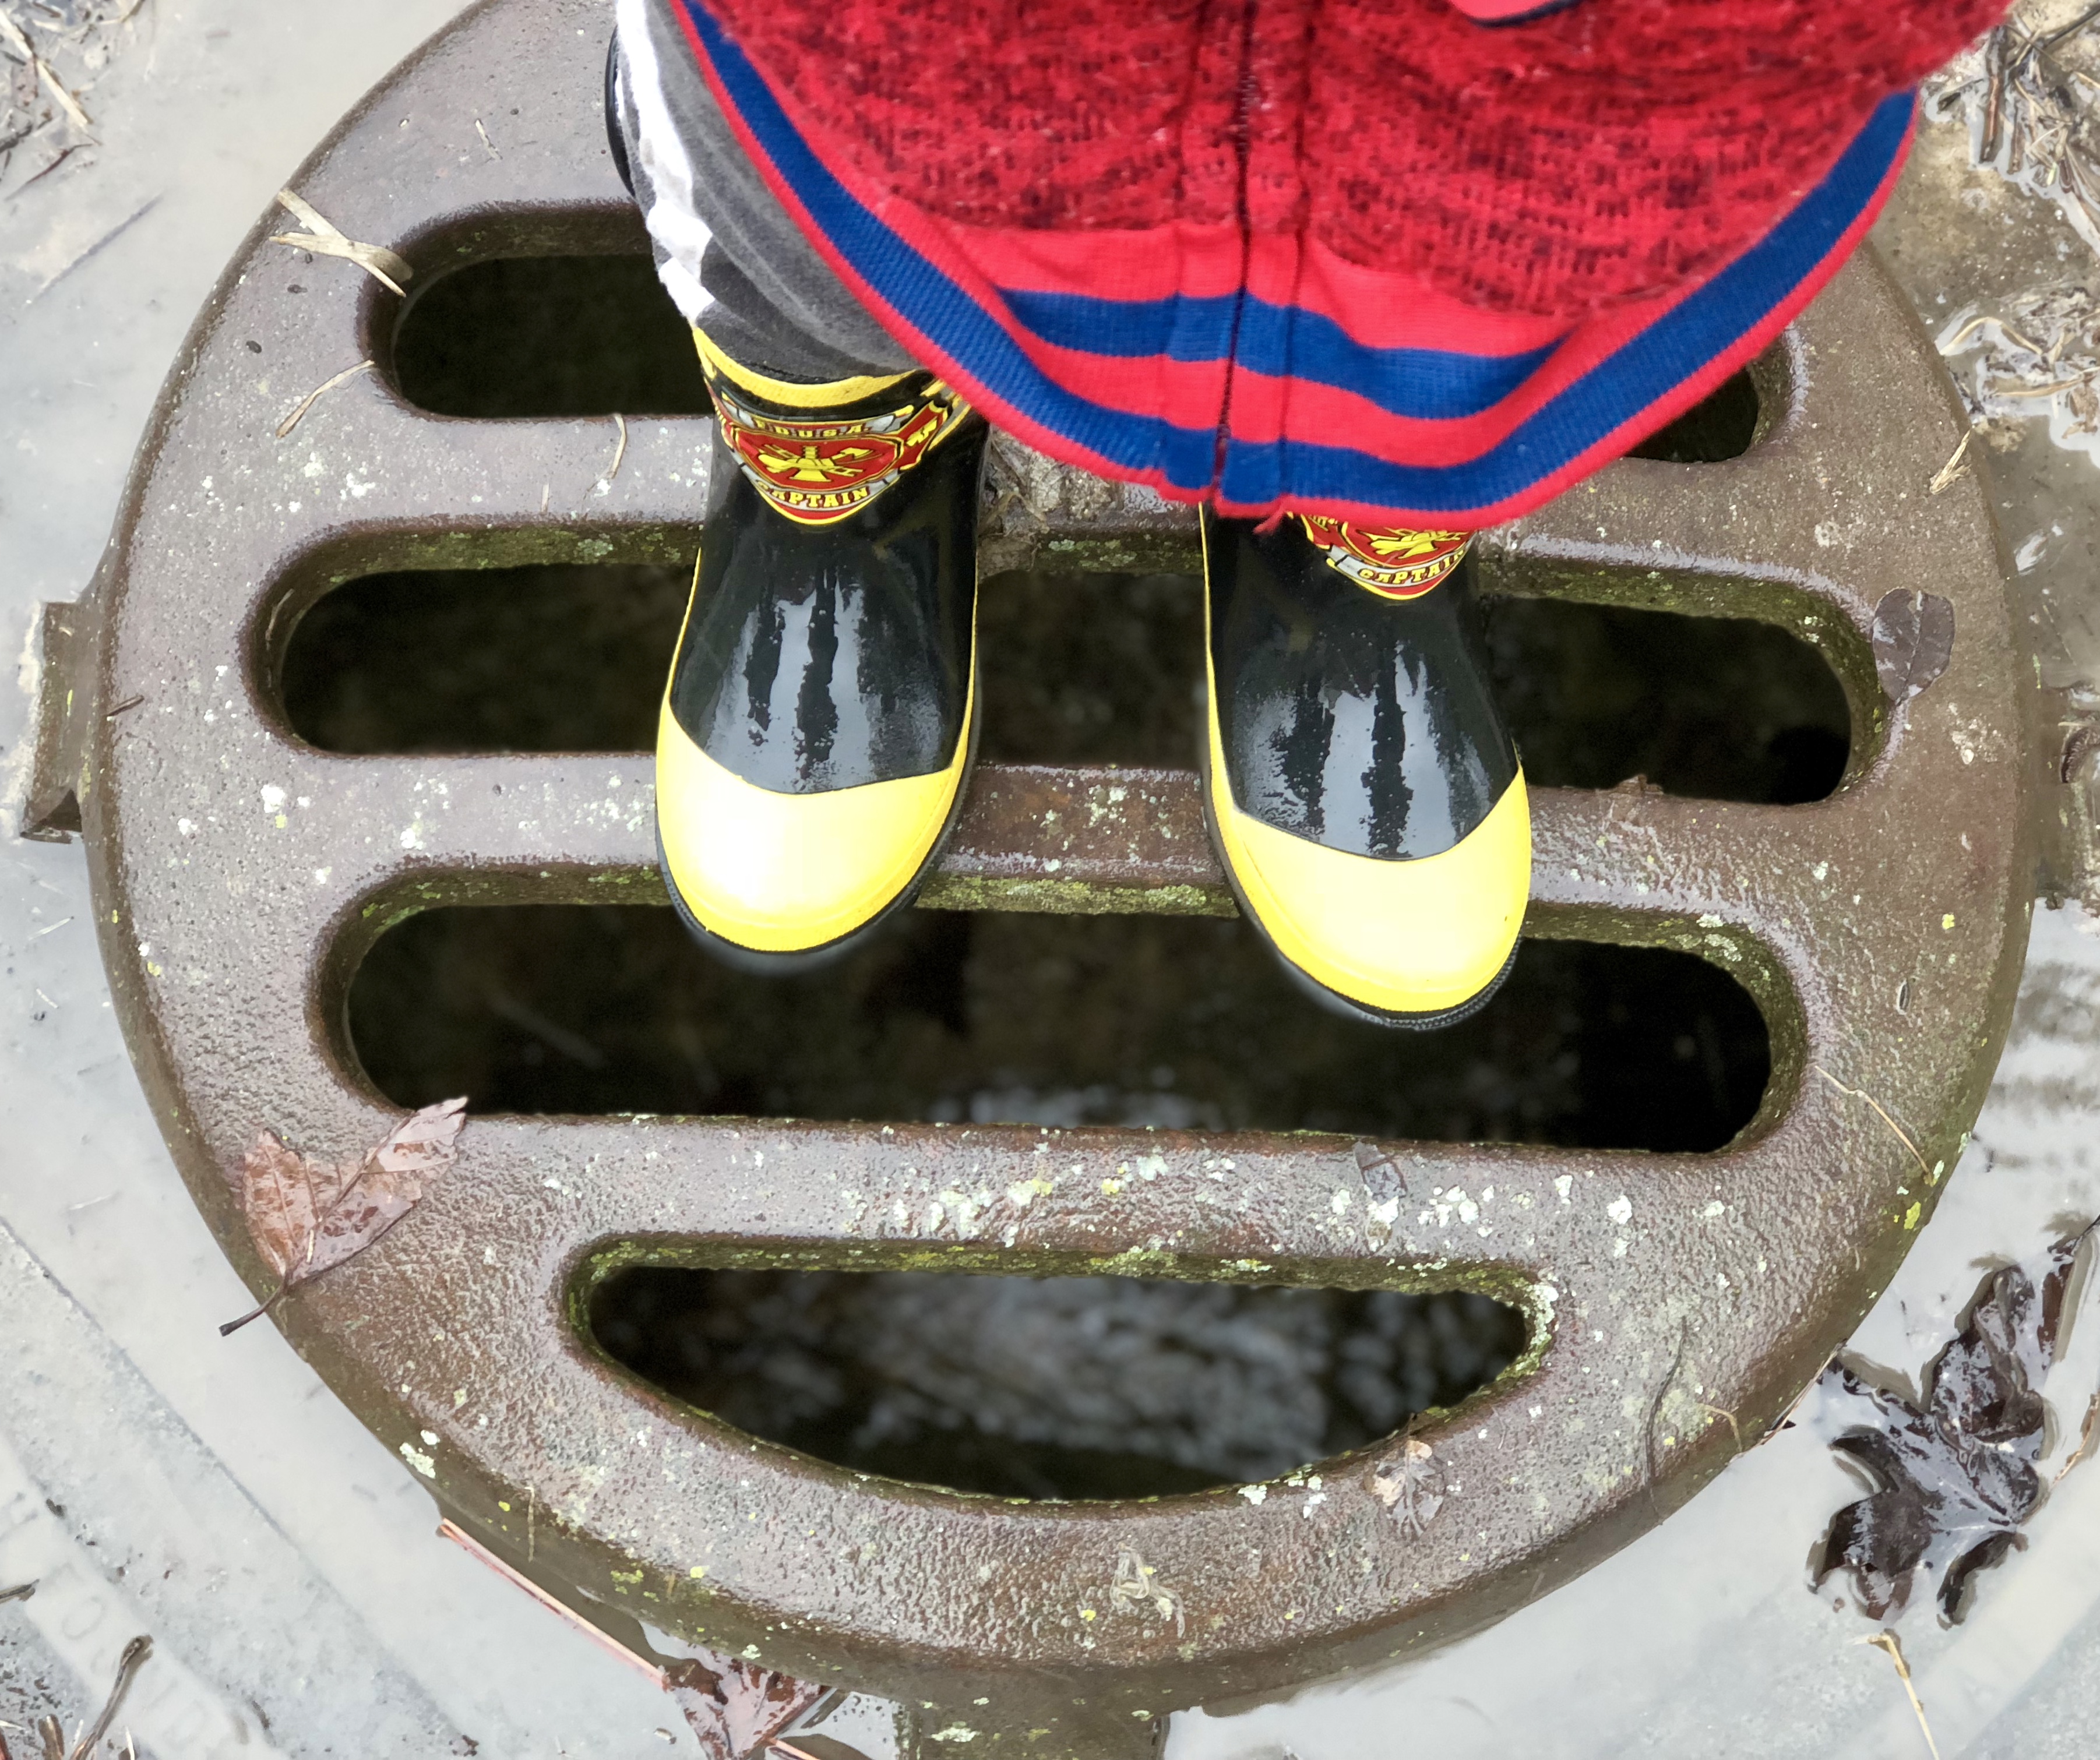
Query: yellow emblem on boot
1395, 562
816, 469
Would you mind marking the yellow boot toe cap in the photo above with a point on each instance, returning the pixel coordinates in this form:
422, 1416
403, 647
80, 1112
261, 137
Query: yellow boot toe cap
790, 873
1415, 937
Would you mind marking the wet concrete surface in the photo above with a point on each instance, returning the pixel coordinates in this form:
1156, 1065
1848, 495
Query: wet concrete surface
211, 1494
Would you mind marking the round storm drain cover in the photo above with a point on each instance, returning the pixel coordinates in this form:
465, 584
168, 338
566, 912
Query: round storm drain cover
1669, 1305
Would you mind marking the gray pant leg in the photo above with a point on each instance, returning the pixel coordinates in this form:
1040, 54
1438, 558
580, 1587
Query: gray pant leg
729, 254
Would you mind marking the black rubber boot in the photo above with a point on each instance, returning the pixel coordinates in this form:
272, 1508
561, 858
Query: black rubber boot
820, 718
1362, 790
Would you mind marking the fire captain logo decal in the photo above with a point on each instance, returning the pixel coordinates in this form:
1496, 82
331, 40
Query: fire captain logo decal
1398, 563
818, 471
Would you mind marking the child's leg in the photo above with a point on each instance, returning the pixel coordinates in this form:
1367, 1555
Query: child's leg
732, 260
817, 729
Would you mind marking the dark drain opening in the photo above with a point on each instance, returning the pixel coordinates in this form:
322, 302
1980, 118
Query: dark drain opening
1006, 1018
548, 335
1066, 1387
585, 336
1077, 668
554, 659
1720, 708
1720, 426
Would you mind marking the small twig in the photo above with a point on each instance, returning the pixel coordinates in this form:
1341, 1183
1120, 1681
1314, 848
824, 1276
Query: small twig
1955, 342
21, 45
19, 1592
1994, 96
2062, 31
1888, 1641
136, 1655
1882, 1112
63, 154
50, 929
129, 702
308, 402
66, 100
2043, 390
232, 1326
52, 1733
485, 140
1947, 473
325, 238
2085, 1438
1655, 1411
1723, 1411
619, 453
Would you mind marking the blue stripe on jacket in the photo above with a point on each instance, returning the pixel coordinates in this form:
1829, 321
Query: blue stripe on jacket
1284, 342
1292, 341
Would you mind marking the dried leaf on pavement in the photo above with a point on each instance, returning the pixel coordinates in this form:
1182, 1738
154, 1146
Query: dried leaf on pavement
307, 1216
1956, 1479
1411, 1487
1913, 639
736, 1707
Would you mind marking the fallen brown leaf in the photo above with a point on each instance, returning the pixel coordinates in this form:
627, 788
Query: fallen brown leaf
1411, 1487
1913, 639
307, 1216
1956, 1479
736, 1707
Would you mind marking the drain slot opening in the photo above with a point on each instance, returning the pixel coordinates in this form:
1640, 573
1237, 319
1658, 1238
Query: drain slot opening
1720, 426
587, 335
548, 335
1064, 1387
1077, 669
988, 1017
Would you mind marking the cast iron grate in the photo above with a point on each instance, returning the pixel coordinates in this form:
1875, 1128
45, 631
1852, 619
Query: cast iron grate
1674, 1302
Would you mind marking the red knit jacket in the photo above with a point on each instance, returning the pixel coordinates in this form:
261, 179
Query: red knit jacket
1611, 149
1373, 257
